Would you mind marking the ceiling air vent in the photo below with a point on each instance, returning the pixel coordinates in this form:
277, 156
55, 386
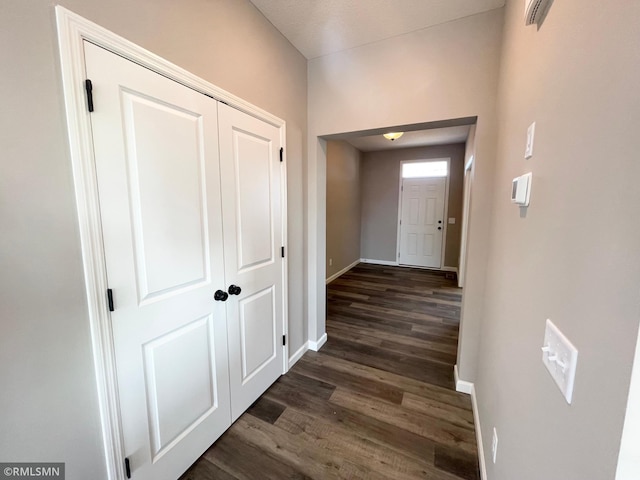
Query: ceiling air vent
534, 10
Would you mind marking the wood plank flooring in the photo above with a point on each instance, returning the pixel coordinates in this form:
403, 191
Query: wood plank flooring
376, 402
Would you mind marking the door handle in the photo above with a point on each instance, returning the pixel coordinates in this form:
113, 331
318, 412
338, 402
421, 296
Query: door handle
234, 290
439, 228
220, 296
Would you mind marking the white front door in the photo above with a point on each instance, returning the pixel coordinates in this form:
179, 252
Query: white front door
422, 221
251, 181
156, 153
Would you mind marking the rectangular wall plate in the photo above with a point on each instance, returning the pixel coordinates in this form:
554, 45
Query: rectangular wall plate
494, 445
521, 189
560, 357
528, 152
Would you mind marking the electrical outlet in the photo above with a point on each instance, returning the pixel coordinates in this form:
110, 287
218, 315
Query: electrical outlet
494, 445
331, 262
560, 357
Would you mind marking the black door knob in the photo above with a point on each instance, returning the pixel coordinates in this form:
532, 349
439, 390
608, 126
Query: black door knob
234, 290
220, 296
439, 228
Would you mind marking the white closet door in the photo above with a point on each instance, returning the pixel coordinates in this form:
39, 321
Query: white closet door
156, 152
251, 180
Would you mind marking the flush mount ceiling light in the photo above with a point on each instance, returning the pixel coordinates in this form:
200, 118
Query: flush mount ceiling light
392, 135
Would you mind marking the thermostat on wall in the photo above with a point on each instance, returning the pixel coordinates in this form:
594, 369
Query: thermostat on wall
521, 189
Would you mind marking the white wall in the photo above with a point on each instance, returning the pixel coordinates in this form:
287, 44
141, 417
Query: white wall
48, 402
572, 255
444, 72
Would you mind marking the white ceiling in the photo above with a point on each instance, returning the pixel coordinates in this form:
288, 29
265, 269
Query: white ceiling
321, 27
419, 138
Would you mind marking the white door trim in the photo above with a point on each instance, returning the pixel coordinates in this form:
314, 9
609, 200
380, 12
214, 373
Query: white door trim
445, 220
466, 205
73, 30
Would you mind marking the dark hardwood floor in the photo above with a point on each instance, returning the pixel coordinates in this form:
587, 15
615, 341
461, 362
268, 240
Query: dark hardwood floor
376, 402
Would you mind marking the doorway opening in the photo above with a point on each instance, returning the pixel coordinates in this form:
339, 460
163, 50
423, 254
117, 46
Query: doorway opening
365, 174
422, 210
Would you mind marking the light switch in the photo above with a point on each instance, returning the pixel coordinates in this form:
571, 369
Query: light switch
528, 153
452, 220
560, 357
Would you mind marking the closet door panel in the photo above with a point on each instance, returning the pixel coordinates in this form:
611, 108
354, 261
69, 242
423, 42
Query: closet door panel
252, 224
156, 153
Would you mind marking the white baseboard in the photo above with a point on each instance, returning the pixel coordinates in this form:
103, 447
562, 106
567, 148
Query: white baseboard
298, 355
461, 385
396, 264
315, 346
468, 387
342, 272
476, 420
379, 262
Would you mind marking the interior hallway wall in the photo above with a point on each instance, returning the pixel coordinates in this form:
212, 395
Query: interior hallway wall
572, 255
49, 401
380, 197
444, 72
343, 206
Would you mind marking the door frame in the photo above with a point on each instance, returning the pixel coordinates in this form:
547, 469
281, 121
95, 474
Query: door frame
73, 30
445, 221
466, 206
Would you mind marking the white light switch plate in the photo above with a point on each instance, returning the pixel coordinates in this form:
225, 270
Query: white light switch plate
452, 220
560, 357
528, 153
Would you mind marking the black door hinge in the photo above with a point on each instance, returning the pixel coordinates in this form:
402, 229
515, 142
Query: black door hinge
284, 340
281, 154
127, 467
282, 252
89, 88
110, 299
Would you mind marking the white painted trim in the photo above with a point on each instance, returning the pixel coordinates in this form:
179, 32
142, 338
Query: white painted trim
469, 163
466, 206
445, 220
629, 454
342, 272
470, 389
285, 242
396, 264
299, 353
462, 386
73, 30
379, 262
476, 421
70, 28
315, 346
